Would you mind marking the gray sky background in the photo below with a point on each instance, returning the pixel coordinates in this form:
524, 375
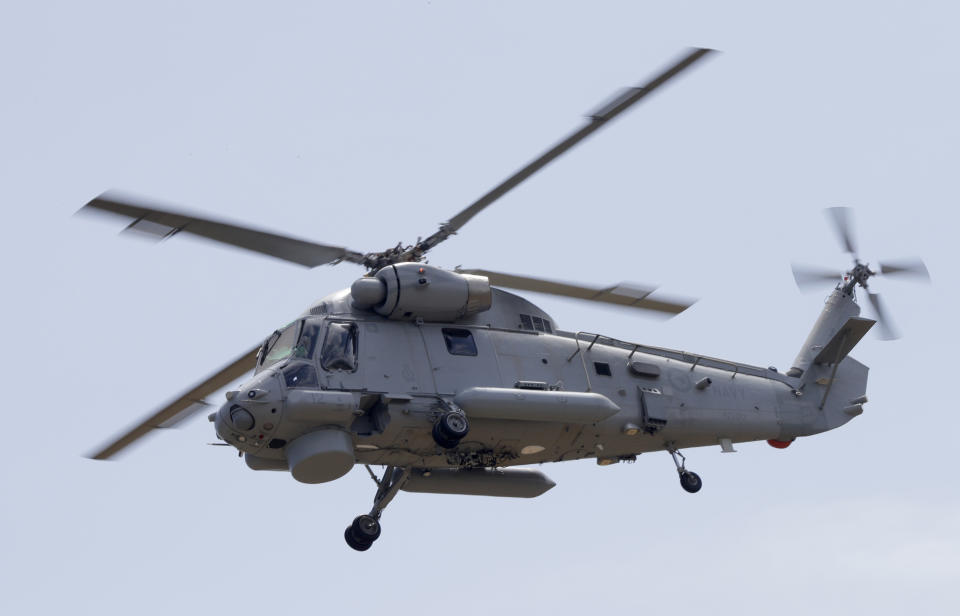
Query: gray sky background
363, 124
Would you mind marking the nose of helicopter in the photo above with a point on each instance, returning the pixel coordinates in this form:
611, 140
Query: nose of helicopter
249, 418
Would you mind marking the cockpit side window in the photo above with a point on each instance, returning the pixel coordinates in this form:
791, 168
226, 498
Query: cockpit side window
339, 350
308, 340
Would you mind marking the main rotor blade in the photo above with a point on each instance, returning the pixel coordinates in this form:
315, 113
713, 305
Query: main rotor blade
185, 405
624, 294
842, 218
164, 223
609, 111
905, 267
883, 320
808, 277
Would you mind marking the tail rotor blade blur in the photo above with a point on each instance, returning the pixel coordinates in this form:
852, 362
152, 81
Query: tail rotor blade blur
883, 320
809, 277
906, 267
842, 219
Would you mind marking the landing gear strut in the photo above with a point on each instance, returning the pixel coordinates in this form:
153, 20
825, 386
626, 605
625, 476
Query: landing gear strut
689, 480
365, 528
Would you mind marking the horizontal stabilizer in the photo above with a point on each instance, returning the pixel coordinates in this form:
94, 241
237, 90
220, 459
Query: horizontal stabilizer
844, 340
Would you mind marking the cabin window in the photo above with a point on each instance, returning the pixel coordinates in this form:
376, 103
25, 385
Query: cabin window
339, 350
460, 341
602, 368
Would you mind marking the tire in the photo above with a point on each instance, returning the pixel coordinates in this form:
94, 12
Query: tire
365, 529
450, 428
443, 440
690, 482
353, 543
453, 425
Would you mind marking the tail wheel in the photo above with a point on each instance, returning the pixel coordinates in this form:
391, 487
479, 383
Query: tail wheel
690, 481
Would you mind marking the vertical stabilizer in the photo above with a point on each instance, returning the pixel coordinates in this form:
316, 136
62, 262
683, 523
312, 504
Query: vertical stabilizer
838, 309
832, 385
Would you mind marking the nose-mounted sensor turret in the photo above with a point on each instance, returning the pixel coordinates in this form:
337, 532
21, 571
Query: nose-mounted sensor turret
250, 416
241, 418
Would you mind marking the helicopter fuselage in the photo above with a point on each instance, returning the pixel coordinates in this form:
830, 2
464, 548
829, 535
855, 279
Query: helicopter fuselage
373, 388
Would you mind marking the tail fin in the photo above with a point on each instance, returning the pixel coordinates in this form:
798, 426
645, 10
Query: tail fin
838, 329
833, 385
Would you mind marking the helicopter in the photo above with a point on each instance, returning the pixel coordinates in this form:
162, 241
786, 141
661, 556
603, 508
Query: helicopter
454, 385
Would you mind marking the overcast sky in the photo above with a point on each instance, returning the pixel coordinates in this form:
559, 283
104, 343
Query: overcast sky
365, 124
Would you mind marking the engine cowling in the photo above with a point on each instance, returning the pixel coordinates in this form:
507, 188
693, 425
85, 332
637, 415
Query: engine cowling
410, 291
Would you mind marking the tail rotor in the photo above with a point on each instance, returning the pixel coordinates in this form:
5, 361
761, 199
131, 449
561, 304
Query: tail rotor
842, 218
809, 277
913, 268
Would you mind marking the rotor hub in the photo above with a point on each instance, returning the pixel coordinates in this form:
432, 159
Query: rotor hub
860, 273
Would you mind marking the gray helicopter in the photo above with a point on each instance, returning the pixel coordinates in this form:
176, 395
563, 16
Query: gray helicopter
451, 383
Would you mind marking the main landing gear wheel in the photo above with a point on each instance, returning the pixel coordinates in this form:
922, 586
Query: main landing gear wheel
690, 482
450, 428
362, 533
365, 528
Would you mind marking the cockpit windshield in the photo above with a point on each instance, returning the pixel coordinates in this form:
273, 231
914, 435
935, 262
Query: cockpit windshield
279, 345
297, 340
